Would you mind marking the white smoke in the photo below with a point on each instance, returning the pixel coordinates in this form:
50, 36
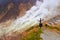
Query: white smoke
44, 10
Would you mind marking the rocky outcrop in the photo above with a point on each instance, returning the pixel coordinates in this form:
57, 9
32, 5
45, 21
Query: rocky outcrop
13, 10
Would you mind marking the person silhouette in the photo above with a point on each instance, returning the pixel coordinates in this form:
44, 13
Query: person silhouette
40, 24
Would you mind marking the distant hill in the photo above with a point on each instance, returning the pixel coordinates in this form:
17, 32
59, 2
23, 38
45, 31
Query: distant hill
11, 9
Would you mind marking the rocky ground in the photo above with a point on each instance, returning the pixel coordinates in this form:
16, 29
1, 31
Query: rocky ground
50, 35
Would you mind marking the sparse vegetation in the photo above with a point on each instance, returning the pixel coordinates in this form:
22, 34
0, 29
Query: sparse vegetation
51, 27
33, 34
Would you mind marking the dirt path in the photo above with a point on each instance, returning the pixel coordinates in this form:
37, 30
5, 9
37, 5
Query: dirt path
50, 35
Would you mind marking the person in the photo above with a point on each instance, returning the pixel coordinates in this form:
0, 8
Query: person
40, 24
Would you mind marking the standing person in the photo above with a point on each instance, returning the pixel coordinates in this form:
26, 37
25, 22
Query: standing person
40, 24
